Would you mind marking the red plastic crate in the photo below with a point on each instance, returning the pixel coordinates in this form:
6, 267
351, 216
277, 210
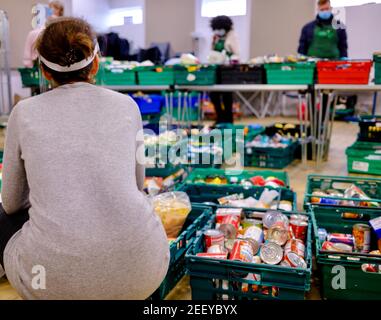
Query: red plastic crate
344, 72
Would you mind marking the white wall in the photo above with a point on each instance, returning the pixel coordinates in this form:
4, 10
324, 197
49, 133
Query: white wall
95, 12
135, 33
242, 26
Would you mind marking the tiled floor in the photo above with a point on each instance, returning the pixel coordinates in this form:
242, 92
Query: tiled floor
344, 134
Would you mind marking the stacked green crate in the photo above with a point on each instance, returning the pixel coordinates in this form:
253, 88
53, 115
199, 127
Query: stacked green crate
364, 157
115, 75
377, 66
155, 76
197, 75
298, 73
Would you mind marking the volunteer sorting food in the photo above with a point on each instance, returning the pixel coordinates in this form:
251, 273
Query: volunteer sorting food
91, 228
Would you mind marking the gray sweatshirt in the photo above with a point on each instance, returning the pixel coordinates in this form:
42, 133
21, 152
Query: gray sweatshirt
70, 155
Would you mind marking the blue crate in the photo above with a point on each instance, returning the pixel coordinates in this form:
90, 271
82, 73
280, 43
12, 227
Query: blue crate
150, 104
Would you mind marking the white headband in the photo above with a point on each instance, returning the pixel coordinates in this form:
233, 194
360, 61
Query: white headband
74, 67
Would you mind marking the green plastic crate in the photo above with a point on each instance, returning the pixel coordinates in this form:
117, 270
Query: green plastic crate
364, 157
155, 76
114, 76
222, 279
30, 77
246, 174
371, 186
360, 285
377, 66
272, 158
196, 220
211, 193
290, 73
197, 75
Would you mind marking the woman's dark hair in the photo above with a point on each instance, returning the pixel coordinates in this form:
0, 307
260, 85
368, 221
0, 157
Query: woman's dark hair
222, 22
66, 41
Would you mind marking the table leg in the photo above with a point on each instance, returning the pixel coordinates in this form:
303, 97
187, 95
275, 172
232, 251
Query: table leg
375, 96
319, 128
326, 124
248, 104
312, 124
330, 128
265, 110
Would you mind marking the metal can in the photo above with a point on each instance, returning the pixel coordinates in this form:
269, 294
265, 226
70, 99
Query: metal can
278, 233
254, 233
271, 253
213, 237
295, 245
224, 212
361, 235
299, 229
242, 251
301, 217
229, 226
271, 217
217, 249
285, 205
295, 260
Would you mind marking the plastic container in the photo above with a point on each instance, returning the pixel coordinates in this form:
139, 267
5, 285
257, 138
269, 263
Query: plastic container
149, 104
240, 175
371, 186
114, 76
344, 72
377, 68
223, 279
241, 74
196, 220
290, 73
370, 129
155, 76
30, 77
359, 285
273, 158
364, 157
197, 75
211, 193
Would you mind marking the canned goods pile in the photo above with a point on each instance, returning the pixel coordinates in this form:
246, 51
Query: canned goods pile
267, 200
277, 142
257, 181
360, 241
353, 192
261, 238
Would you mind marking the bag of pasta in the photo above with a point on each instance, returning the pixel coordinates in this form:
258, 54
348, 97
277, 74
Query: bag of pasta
173, 209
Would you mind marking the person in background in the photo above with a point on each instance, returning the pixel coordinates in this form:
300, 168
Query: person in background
88, 230
56, 10
225, 41
322, 38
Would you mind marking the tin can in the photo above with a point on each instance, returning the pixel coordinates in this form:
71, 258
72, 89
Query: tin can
278, 233
361, 235
254, 233
285, 205
301, 217
271, 253
229, 226
223, 212
243, 250
217, 249
213, 237
271, 217
295, 245
299, 229
295, 260
247, 223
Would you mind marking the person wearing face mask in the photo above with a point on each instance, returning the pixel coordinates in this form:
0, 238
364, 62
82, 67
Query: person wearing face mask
322, 38
55, 10
225, 41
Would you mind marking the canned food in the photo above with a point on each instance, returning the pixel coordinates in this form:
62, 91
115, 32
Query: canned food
242, 251
351, 215
213, 237
322, 234
223, 212
217, 249
271, 217
301, 217
220, 256
247, 223
285, 205
299, 229
361, 235
254, 233
295, 260
341, 238
229, 243
271, 253
295, 245
229, 226
278, 233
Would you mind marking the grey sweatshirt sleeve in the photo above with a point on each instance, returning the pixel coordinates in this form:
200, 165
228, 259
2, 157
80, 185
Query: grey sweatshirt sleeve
140, 153
15, 189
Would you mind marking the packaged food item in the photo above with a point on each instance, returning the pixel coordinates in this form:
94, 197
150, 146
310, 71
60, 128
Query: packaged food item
285, 205
361, 235
271, 217
243, 250
254, 233
341, 238
247, 223
213, 237
225, 200
299, 229
295, 245
278, 233
271, 253
376, 225
173, 209
351, 215
229, 226
357, 193
327, 246
322, 234
295, 261
301, 217
221, 213
342, 247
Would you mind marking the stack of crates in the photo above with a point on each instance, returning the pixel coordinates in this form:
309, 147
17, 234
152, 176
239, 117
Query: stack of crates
364, 156
345, 276
155, 76
196, 75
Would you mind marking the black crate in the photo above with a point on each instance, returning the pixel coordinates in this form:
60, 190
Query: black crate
370, 129
241, 74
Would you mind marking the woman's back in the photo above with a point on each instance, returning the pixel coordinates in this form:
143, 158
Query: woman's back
90, 227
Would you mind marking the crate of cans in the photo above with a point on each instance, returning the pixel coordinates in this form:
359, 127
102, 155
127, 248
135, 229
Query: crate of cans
275, 179
196, 221
334, 191
240, 196
246, 254
370, 129
348, 243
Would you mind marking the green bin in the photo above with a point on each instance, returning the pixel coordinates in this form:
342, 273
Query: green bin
364, 157
299, 73
195, 75
155, 76
377, 66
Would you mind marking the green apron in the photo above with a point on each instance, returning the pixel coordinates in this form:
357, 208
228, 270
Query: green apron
324, 43
220, 46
